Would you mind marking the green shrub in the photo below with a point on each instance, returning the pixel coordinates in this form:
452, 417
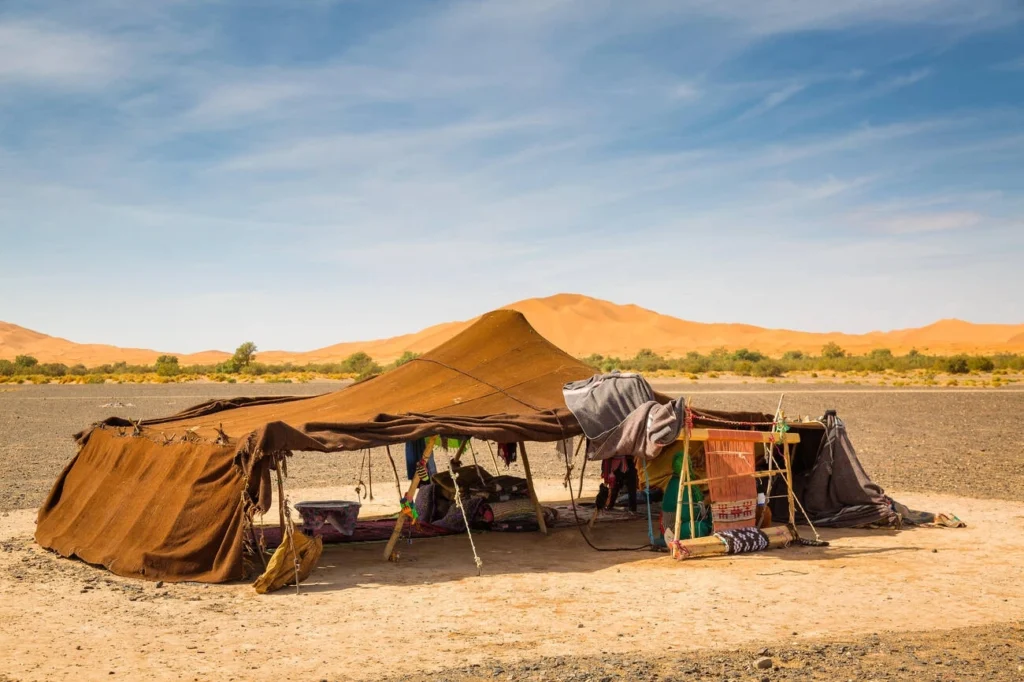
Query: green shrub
767, 368
980, 363
832, 351
25, 362
958, 364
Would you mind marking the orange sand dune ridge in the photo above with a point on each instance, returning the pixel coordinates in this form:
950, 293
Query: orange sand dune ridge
579, 324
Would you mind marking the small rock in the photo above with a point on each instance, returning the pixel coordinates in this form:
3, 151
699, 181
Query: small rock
764, 652
159, 584
766, 679
763, 663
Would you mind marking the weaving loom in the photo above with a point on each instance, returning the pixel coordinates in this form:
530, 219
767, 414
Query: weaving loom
729, 457
732, 481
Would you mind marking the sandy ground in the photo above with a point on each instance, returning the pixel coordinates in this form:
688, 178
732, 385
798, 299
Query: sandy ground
359, 617
925, 604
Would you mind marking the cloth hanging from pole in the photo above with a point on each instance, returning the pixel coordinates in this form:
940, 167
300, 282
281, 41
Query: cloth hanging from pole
414, 450
507, 452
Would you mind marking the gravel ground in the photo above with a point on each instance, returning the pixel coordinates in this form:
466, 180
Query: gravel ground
959, 441
984, 653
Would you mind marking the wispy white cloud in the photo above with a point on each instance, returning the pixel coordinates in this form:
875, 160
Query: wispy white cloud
914, 223
40, 55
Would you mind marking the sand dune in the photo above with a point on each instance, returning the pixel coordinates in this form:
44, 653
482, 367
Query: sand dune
579, 324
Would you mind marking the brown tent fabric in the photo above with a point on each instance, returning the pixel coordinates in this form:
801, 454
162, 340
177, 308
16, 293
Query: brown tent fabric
498, 376
171, 498
144, 509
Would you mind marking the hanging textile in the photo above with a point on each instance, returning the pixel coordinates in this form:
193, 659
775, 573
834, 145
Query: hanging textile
507, 452
414, 450
733, 500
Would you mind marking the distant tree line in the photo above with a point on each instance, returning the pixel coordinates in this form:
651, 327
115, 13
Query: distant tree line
243, 362
360, 365
832, 358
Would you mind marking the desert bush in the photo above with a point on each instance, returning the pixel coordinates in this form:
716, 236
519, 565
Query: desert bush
980, 363
832, 351
958, 364
743, 368
7, 368
747, 355
24, 362
407, 356
167, 366
767, 368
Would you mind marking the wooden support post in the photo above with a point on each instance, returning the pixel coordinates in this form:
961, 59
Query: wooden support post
411, 496
689, 493
686, 471
789, 485
533, 493
493, 458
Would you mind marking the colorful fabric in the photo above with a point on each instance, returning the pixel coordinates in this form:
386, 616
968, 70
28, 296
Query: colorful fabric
742, 540
729, 457
281, 569
414, 450
507, 452
476, 509
727, 515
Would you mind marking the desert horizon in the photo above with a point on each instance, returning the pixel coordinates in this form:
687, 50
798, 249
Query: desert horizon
579, 324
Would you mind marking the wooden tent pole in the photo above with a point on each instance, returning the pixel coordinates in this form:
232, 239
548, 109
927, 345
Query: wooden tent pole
493, 458
533, 493
689, 494
411, 496
686, 471
789, 485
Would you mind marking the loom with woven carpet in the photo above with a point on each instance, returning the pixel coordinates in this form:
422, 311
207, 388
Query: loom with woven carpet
731, 477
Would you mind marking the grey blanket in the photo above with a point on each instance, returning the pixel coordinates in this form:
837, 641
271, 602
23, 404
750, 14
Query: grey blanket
602, 402
644, 433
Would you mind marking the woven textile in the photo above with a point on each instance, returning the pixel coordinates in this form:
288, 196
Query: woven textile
730, 455
742, 540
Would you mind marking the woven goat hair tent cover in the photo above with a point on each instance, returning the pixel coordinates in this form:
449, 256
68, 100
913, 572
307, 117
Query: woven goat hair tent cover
171, 498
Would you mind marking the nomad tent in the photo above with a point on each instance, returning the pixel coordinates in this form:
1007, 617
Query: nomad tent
174, 498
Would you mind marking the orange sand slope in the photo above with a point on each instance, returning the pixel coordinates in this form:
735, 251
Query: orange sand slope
578, 324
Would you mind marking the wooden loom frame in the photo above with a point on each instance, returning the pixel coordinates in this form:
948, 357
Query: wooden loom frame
784, 438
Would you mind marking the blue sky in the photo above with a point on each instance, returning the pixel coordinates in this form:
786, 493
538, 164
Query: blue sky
188, 175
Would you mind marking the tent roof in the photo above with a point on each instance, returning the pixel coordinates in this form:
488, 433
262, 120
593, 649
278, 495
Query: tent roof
498, 379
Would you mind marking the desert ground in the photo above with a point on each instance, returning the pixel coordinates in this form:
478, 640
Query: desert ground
929, 604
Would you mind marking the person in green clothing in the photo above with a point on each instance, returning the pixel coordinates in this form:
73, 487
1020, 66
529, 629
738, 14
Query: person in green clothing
702, 522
